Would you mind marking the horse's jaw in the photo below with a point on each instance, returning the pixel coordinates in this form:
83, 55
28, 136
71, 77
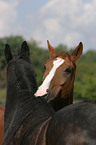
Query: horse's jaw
59, 99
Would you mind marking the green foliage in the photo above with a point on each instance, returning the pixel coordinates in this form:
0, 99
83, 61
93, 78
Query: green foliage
90, 56
61, 48
85, 82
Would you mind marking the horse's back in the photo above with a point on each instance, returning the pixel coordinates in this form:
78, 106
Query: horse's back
32, 128
75, 124
29, 132
1, 124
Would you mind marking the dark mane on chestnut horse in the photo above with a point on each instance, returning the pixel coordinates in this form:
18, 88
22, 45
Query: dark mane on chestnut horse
58, 78
31, 121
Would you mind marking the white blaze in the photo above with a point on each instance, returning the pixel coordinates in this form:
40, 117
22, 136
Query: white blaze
42, 90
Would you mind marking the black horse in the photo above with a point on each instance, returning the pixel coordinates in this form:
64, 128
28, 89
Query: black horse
31, 121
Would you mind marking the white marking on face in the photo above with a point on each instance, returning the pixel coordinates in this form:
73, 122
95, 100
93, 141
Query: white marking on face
42, 90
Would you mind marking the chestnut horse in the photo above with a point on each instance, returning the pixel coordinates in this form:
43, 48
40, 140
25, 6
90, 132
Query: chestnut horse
30, 120
58, 79
1, 124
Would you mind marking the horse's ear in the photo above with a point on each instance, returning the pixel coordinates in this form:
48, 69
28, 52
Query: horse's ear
52, 51
7, 52
25, 52
77, 52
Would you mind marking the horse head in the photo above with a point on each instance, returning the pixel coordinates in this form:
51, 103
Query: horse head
19, 65
58, 79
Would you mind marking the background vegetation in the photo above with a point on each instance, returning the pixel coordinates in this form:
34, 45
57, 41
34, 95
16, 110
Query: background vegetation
85, 82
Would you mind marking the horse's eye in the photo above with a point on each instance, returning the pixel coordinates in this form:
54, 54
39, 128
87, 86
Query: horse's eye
68, 70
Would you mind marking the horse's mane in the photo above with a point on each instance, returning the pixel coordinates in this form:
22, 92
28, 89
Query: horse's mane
28, 74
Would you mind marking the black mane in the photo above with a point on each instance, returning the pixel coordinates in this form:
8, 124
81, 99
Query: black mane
25, 73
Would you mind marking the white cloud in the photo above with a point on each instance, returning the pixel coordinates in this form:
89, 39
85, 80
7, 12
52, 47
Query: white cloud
59, 21
8, 17
66, 21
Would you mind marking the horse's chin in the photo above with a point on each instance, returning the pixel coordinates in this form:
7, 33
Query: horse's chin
58, 102
51, 96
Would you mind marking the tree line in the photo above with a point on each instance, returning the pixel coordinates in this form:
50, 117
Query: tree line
85, 80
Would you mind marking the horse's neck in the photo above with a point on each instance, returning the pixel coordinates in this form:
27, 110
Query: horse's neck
67, 96
10, 103
14, 99
28, 107
63, 100
20, 102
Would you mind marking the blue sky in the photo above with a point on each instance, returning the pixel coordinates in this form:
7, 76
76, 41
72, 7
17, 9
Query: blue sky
26, 7
60, 21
